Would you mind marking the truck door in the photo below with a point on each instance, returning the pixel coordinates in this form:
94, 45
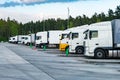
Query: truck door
74, 41
86, 42
93, 40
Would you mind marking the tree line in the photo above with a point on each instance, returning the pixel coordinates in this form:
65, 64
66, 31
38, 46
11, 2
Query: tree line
10, 28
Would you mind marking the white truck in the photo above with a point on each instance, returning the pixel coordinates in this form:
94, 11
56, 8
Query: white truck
10, 39
48, 38
103, 39
76, 38
23, 38
41, 38
18, 39
13, 39
29, 39
65, 38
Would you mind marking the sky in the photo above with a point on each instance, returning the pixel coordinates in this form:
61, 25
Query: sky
34, 10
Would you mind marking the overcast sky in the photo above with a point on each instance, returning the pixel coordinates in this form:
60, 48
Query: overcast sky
28, 10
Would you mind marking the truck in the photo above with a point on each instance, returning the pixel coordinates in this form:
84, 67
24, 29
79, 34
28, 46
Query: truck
76, 38
102, 40
30, 39
41, 39
48, 38
11, 39
18, 39
64, 40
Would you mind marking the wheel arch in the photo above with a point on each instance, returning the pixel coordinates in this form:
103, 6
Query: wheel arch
79, 46
105, 49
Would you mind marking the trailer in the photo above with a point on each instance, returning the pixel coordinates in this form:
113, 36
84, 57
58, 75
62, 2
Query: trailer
102, 39
48, 38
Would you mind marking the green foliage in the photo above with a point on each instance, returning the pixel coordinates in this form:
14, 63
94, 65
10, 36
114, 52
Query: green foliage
8, 28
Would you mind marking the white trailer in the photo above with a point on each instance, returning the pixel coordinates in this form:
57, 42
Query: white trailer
103, 39
48, 38
76, 39
54, 38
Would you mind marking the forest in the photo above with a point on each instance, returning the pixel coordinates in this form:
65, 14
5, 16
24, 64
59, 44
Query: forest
10, 27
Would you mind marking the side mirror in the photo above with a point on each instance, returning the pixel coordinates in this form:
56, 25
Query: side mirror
90, 36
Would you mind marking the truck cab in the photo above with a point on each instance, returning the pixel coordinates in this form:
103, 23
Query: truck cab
99, 40
64, 40
41, 38
76, 39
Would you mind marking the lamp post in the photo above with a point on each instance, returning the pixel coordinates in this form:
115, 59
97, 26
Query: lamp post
68, 25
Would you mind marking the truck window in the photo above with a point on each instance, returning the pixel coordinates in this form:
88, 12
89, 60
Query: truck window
74, 35
86, 34
38, 37
69, 35
22, 37
93, 34
26, 38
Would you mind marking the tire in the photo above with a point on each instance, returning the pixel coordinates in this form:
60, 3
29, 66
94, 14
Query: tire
80, 50
99, 54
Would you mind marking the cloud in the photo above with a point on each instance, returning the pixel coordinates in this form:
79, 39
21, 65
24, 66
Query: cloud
32, 1
9, 3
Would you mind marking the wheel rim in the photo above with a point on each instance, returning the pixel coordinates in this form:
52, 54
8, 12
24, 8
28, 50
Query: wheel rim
79, 51
99, 54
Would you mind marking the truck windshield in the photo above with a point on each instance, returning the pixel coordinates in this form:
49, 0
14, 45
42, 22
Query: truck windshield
38, 37
93, 34
22, 38
64, 36
26, 38
74, 35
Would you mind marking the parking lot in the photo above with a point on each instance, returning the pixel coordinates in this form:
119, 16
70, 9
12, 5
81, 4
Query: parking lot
20, 62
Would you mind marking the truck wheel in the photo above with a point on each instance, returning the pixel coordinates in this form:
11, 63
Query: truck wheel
80, 50
99, 54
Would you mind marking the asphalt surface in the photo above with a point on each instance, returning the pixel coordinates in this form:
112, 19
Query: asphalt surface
18, 62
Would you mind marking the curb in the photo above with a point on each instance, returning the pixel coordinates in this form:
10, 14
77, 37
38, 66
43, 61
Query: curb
100, 60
